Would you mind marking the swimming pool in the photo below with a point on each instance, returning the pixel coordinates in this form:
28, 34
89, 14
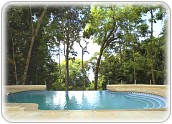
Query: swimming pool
88, 100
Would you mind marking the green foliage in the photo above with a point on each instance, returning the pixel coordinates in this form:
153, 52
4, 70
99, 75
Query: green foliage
20, 20
77, 78
123, 36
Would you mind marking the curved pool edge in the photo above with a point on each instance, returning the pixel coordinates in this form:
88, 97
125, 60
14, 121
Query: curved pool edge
148, 89
36, 115
35, 106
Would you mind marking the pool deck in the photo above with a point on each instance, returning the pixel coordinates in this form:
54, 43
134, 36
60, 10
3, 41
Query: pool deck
161, 90
28, 112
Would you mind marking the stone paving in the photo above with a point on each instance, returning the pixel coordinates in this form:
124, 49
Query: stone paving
20, 88
161, 90
29, 112
86, 116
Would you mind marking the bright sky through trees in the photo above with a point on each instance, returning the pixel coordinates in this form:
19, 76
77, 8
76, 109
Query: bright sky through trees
157, 26
93, 47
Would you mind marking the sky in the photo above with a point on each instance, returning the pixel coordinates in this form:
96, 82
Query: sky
157, 27
93, 47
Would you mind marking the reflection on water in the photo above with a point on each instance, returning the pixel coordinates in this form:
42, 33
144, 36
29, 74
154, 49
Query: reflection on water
82, 100
69, 100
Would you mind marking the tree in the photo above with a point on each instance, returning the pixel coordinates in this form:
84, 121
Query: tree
84, 50
129, 50
20, 21
106, 25
154, 16
34, 33
71, 23
71, 34
18, 25
76, 76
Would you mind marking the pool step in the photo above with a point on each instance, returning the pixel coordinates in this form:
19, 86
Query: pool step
152, 102
15, 108
148, 104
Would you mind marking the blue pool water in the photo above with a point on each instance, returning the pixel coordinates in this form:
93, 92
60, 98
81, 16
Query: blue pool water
88, 100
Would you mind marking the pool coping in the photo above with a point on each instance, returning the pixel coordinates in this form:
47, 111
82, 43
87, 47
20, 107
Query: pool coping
160, 90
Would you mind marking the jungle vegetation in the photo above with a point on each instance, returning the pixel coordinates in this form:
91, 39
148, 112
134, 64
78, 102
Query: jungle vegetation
129, 52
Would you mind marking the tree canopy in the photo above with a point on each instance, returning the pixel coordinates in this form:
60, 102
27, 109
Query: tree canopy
41, 45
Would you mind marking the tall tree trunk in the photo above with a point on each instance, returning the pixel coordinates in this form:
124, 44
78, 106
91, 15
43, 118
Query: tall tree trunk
134, 70
59, 64
97, 69
121, 60
152, 58
60, 68
67, 67
67, 58
83, 65
145, 65
106, 41
82, 59
31, 46
14, 62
